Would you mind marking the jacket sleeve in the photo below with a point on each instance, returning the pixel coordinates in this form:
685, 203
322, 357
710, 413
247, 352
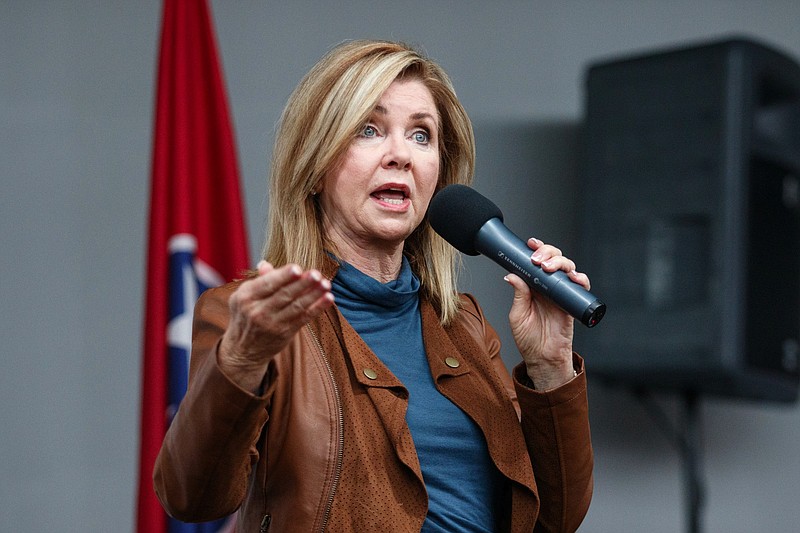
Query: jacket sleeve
556, 428
209, 449
555, 424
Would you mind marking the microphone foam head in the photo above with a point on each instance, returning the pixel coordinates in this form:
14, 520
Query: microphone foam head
458, 212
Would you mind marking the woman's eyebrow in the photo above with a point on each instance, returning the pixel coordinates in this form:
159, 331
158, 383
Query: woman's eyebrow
416, 116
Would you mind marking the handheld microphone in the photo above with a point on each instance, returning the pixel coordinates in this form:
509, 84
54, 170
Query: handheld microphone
474, 225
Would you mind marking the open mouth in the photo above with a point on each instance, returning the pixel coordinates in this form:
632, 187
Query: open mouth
391, 195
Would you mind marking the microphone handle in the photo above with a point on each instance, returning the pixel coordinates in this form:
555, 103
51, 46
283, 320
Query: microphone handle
501, 245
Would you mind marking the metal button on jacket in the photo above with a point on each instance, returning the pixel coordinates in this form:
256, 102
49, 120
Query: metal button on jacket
452, 362
371, 374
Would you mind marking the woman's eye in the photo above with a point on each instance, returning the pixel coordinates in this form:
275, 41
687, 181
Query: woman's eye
421, 137
369, 131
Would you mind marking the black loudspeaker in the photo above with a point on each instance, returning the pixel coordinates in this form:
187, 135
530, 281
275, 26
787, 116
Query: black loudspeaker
690, 225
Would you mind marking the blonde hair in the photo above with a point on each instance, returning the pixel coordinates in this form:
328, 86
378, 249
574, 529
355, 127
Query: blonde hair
320, 120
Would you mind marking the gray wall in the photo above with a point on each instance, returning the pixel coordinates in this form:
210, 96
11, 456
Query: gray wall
77, 88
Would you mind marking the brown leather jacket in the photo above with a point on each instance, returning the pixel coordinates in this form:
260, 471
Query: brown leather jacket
279, 457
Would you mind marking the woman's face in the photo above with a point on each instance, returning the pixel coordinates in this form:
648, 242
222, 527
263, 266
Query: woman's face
379, 192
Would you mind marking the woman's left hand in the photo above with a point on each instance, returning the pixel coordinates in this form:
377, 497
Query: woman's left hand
543, 332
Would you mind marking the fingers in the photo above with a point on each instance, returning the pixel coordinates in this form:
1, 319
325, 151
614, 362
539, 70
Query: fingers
271, 280
280, 298
264, 267
550, 258
291, 294
580, 278
306, 297
283, 285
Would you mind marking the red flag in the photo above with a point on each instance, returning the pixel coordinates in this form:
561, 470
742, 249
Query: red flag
197, 233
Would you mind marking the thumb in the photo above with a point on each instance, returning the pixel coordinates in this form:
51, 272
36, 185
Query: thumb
522, 294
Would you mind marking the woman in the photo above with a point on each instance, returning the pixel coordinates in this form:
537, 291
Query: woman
346, 385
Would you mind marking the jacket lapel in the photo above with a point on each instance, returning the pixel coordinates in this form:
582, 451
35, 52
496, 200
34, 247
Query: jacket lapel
474, 377
386, 392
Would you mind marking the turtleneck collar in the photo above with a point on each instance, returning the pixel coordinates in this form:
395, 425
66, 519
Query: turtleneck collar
357, 291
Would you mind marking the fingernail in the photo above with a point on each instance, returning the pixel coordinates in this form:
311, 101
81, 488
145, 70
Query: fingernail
537, 256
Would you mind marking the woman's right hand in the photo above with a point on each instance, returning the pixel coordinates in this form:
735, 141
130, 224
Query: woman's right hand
265, 313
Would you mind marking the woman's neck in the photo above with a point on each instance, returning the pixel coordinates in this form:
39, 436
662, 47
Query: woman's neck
382, 264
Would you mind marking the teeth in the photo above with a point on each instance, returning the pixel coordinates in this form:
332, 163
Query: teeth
391, 196
393, 201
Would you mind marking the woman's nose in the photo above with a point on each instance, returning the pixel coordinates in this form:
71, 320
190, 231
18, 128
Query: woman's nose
398, 153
